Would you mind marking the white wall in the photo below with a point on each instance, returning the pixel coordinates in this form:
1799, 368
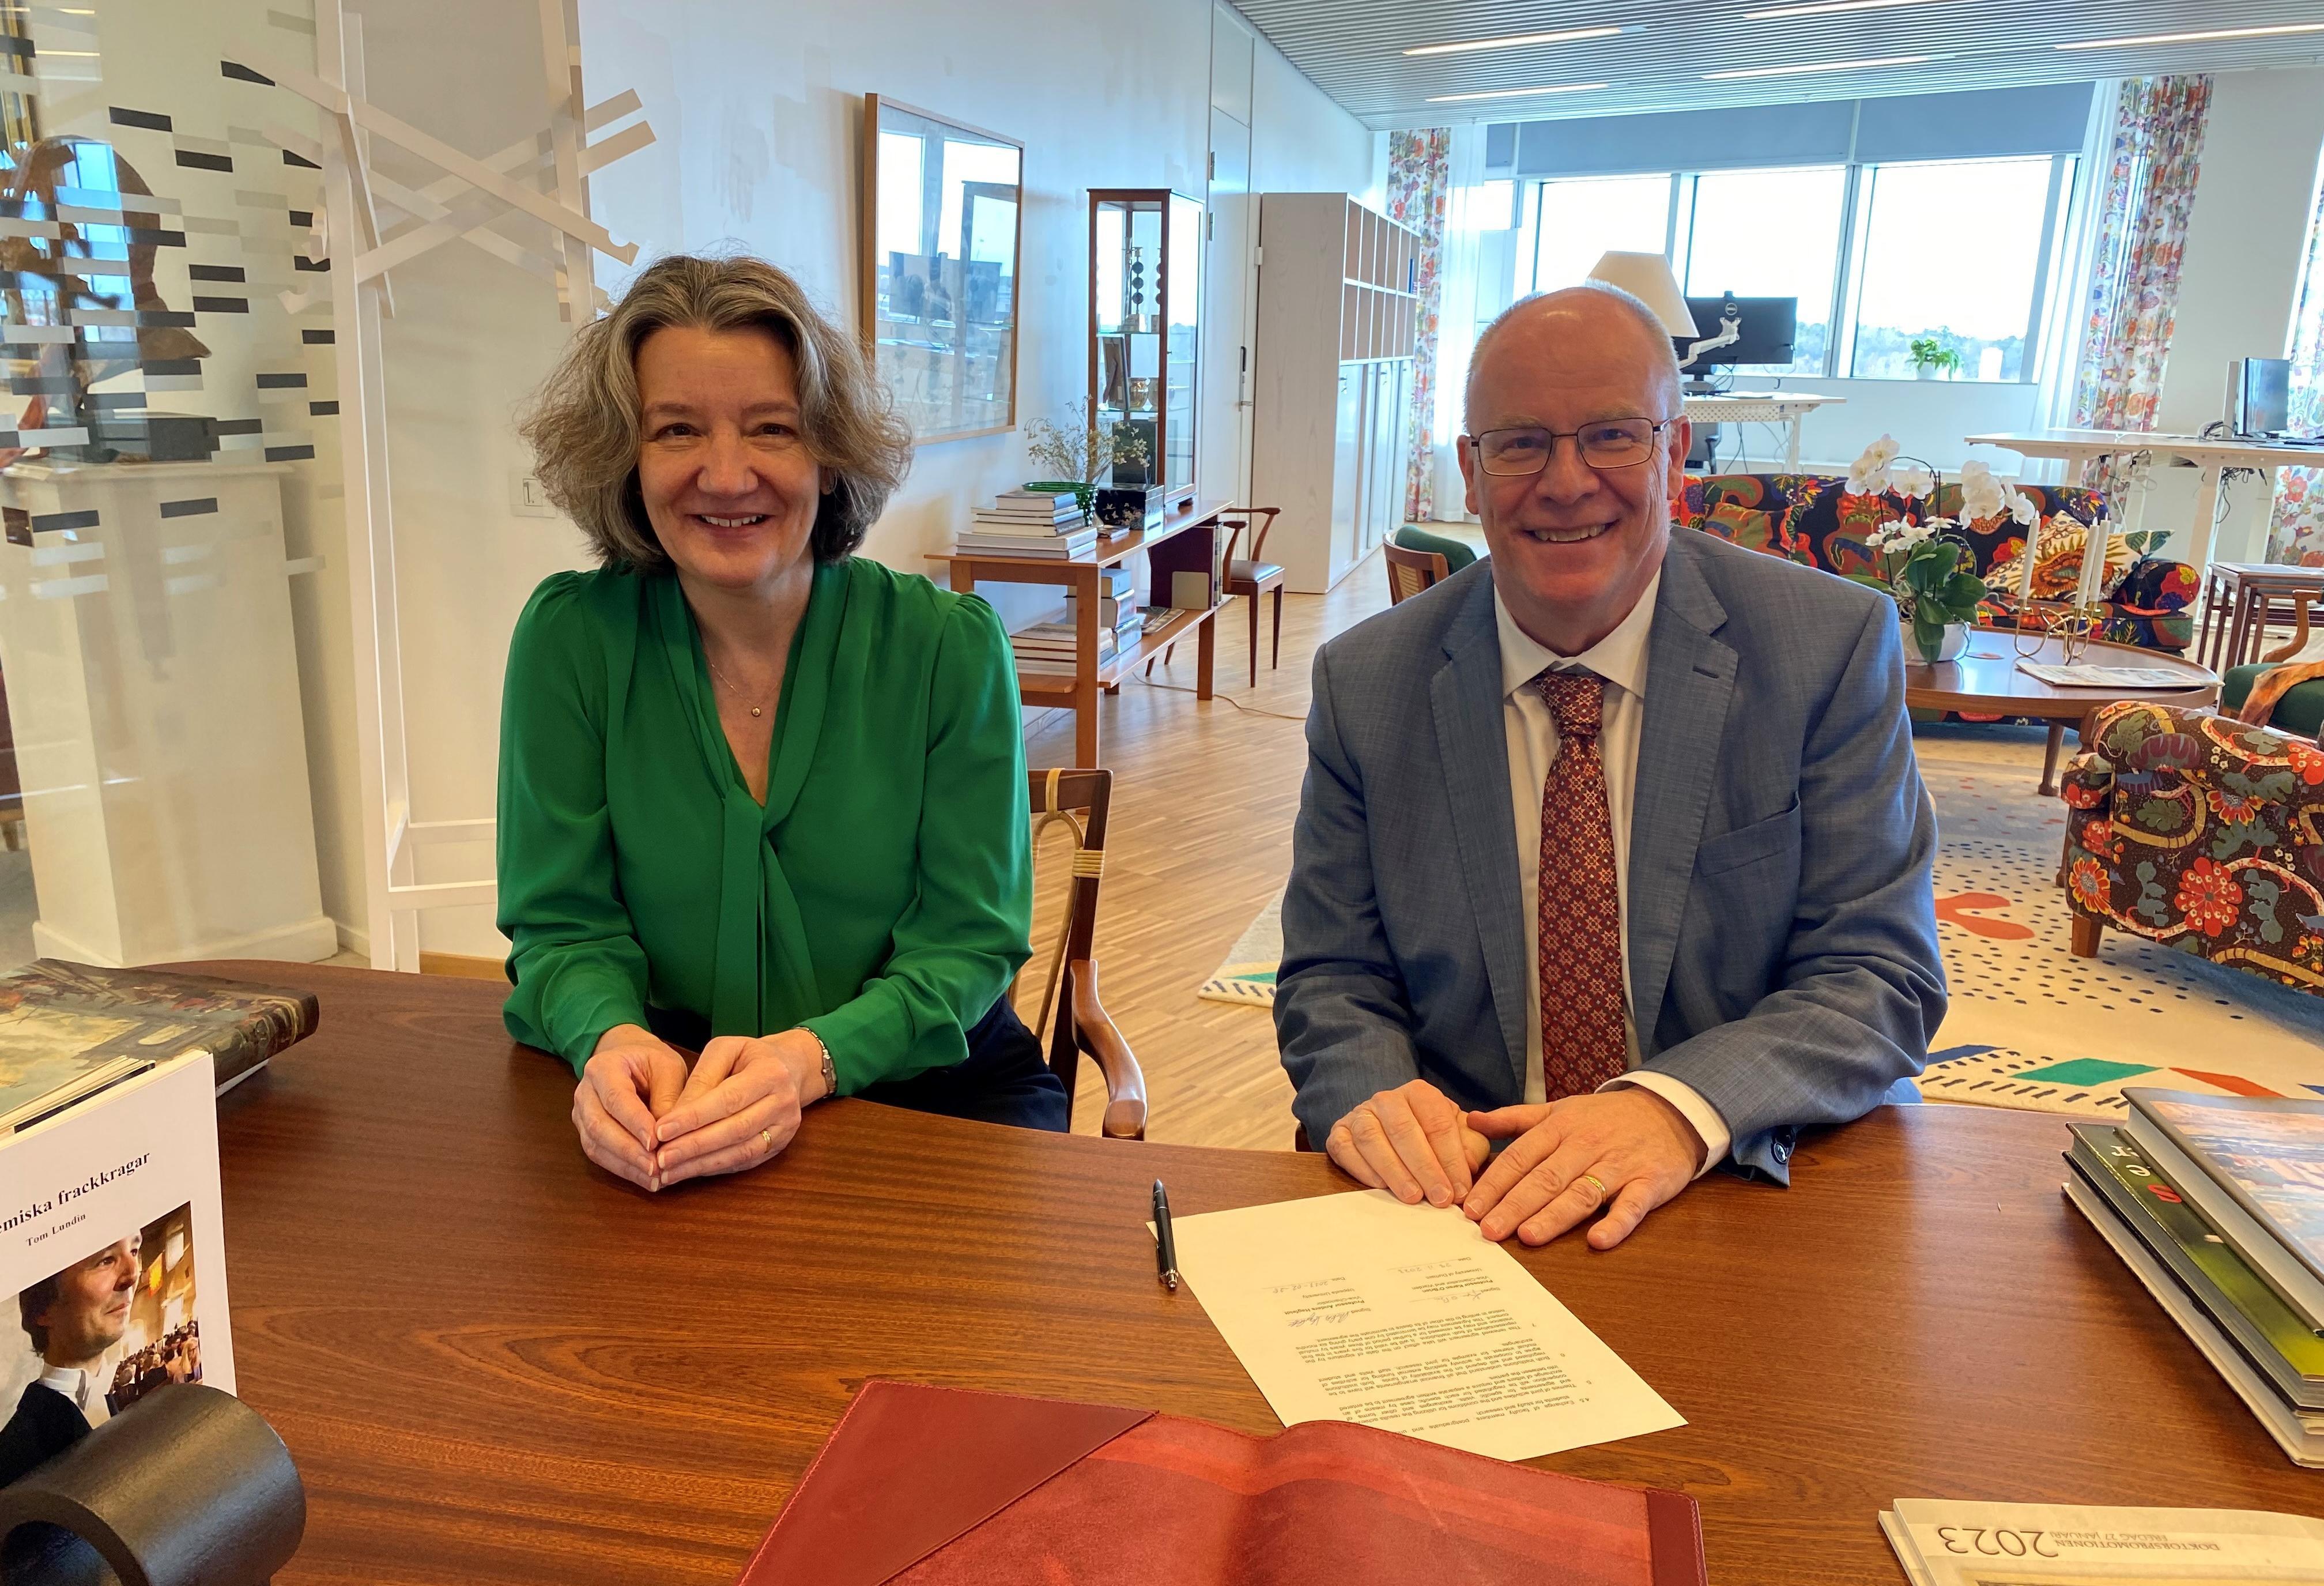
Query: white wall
1931, 419
2237, 278
757, 112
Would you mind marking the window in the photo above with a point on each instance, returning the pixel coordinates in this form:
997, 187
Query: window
1574, 222
1952, 251
1962, 252
1738, 215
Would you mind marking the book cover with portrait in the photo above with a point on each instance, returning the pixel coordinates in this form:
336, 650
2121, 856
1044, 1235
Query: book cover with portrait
112, 1261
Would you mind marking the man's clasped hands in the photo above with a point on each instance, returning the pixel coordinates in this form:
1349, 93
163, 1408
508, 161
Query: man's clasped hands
1624, 1150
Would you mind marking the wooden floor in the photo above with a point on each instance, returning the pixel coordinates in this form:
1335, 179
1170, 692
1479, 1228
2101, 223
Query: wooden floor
1203, 796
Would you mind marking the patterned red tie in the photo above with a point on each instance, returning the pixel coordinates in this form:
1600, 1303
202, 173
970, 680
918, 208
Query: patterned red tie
1580, 919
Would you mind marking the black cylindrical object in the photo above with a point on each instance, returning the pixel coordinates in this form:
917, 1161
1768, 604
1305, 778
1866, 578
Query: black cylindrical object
187, 1486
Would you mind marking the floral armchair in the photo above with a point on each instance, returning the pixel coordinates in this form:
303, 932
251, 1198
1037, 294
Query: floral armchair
1814, 519
2194, 830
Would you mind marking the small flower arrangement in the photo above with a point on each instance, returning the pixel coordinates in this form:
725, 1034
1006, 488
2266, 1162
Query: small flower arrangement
1921, 561
1076, 452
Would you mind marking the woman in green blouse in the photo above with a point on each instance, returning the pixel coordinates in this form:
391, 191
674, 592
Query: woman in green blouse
759, 798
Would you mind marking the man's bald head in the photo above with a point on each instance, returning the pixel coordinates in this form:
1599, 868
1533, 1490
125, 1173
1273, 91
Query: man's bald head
1594, 322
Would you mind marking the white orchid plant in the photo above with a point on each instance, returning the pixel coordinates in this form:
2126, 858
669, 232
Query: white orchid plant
1923, 561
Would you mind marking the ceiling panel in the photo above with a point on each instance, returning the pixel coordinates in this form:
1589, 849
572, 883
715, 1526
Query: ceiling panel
1354, 50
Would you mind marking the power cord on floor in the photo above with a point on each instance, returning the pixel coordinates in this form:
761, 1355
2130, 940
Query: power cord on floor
1248, 710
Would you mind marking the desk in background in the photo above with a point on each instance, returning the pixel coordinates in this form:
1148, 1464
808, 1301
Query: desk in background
1187, 541
494, 1363
1769, 407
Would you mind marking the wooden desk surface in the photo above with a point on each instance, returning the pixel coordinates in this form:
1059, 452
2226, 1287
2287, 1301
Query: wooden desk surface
495, 1364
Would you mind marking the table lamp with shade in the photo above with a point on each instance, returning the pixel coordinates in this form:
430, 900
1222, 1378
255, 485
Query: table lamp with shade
1647, 277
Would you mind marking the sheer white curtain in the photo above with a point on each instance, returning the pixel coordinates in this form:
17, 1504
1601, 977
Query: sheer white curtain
1478, 275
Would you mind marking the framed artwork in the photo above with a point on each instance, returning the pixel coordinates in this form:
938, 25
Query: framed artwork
943, 223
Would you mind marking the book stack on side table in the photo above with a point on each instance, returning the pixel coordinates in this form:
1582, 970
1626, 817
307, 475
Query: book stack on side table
1117, 609
1031, 524
2217, 1202
1046, 649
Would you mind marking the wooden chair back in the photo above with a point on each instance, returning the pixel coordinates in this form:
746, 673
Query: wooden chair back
1235, 520
1071, 1020
1411, 571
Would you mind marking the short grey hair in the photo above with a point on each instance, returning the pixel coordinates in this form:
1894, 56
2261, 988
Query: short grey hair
1657, 336
584, 422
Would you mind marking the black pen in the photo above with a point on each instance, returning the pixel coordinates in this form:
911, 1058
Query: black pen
1166, 1249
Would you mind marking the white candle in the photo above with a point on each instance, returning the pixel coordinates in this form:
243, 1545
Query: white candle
2025, 578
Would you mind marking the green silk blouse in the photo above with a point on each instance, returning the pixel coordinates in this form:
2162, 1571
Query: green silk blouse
881, 897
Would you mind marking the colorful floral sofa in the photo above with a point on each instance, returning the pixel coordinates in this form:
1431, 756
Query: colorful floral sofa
1814, 520
2194, 830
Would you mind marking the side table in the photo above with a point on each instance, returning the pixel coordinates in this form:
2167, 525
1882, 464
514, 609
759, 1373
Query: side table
2241, 599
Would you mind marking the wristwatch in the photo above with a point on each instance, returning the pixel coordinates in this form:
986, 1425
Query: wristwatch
830, 1072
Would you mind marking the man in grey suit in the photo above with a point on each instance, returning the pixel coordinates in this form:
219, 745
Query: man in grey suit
1612, 846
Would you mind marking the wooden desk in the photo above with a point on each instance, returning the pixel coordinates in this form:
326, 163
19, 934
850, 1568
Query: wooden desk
495, 1364
1187, 541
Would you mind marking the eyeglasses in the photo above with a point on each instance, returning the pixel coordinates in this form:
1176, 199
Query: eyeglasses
1609, 443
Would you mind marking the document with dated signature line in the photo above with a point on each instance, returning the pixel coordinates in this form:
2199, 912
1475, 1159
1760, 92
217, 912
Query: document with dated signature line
1357, 1308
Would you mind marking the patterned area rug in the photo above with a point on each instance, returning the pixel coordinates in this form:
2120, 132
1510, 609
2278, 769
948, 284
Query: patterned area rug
2030, 1025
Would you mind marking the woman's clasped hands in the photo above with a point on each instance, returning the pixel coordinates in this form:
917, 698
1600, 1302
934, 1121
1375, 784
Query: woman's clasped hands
641, 1114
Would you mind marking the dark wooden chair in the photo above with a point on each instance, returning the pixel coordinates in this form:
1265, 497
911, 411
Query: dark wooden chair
1251, 576
1077, 800
1411, 571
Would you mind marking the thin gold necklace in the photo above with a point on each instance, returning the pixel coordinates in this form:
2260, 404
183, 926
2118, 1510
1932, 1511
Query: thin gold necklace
723, 677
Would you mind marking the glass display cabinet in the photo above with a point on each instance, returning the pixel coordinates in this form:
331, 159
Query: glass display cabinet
1146, 273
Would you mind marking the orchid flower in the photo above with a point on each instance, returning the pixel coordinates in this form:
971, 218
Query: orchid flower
1868, 475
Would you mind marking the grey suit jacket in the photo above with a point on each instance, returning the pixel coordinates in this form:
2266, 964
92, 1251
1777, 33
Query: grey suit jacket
1781, 928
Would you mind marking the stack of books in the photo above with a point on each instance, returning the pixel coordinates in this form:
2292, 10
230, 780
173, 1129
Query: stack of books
1032, 523
2217, 1202
1117, 606
1046, 649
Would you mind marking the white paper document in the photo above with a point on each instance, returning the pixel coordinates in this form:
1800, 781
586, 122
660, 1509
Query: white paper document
1944, 1544
1357, 1308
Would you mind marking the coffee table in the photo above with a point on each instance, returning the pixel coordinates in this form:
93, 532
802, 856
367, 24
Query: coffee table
1987, 682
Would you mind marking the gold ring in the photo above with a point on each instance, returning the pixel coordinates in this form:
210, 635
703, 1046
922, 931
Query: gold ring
766, 1136
1594, 1182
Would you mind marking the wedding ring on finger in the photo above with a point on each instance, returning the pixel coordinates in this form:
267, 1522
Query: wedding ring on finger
767, 1139
1596, 1183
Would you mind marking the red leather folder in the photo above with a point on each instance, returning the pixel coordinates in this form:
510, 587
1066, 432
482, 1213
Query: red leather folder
938, 1487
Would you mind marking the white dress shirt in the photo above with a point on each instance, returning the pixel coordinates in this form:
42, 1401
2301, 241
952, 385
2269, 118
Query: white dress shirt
80, 1387
1621, 658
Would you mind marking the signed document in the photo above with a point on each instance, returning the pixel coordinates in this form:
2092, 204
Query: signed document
1357, 1308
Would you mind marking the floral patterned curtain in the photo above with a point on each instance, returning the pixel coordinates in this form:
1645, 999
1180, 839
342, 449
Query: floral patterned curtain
2149, 191
2296, 536
1419, 177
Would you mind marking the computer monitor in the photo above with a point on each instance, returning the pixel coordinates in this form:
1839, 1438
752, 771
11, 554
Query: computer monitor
1767, 326
2260, 396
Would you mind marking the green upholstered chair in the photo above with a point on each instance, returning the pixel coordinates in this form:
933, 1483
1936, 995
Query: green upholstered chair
1456, 553
2300, 710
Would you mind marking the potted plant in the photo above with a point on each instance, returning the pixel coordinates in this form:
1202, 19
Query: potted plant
1922, 563
1078, 451
1931, 355
1933, 579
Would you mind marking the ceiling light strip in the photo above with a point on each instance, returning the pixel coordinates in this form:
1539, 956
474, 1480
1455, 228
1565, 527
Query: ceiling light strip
1826, 9
2267, 32
1816, 66
1518, 93
1520, 41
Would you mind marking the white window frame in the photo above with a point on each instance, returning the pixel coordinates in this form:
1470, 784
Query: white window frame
2068, 179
